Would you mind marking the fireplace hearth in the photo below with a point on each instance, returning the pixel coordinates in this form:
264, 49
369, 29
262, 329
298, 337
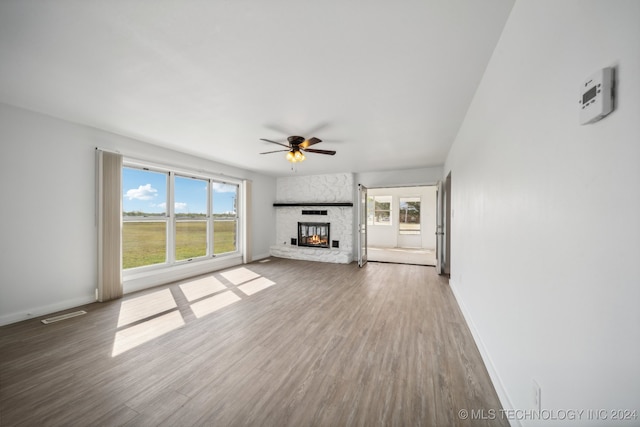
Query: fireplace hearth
313, 234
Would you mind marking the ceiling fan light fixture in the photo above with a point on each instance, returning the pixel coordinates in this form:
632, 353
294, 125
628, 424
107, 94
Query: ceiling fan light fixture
291, 157
295, 156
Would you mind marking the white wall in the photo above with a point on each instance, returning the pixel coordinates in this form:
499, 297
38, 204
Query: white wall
387, 235
47, 187
546, 213
404, 177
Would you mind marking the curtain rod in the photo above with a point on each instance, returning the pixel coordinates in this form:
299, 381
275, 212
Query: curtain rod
108, 150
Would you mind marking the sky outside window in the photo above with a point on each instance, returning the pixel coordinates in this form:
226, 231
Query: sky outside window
190, 195
146, 191
224, 196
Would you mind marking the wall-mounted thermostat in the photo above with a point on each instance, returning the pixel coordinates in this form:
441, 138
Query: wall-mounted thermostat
596, 96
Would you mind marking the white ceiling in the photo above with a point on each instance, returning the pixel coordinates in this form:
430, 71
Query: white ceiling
385, 84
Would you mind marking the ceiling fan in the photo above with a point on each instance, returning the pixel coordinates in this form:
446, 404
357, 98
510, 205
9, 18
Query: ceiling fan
297, 147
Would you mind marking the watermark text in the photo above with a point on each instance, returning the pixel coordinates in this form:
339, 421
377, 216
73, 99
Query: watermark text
549, 414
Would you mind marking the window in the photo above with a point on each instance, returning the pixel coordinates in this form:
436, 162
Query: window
145, 220
171, 217
191, 217
409, 220
225, 217
379, 210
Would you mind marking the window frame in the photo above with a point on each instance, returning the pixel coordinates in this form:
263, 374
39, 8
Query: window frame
409, 231
372, 220
206, 220
236, 217
160, 218
171, 218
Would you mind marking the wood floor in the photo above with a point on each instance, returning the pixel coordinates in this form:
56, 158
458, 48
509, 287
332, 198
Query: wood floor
277, 343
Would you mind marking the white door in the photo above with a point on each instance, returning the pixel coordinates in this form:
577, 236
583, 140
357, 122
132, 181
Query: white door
362, 225
440, 230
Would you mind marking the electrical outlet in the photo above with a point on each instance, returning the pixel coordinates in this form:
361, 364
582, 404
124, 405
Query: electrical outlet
537, 396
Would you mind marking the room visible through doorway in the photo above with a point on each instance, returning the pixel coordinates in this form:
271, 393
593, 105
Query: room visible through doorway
401, 225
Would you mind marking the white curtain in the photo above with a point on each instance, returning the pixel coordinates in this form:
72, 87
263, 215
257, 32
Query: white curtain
109, 178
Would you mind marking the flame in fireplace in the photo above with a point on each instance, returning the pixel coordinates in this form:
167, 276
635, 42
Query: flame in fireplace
313, 234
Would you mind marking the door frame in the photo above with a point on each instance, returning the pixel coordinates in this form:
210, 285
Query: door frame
362, 225
444, 213
382, 187
440, 229
448, 216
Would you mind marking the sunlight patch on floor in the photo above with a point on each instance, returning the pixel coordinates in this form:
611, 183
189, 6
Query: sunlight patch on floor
144, 332
139, 308
239, 275
216, 302
203, 287
256, 285
141, 319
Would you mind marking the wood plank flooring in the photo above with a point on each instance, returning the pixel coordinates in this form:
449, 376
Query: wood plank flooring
314, 344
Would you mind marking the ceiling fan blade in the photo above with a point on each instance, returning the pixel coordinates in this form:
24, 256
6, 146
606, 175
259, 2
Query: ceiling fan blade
273, 142
311, 150
310, 142
277, 151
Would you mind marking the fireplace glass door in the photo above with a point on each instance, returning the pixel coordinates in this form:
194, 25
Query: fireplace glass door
313, 234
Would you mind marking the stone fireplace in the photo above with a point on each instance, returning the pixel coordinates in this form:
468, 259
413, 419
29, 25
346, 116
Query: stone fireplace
314, 218
314, 234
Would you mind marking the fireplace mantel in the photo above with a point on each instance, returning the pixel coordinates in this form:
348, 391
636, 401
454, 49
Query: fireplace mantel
288, 204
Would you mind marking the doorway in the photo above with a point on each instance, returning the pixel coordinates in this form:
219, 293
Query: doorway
448, 215
401, 224
443, 227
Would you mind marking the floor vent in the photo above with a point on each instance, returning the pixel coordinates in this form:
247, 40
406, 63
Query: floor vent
63, 317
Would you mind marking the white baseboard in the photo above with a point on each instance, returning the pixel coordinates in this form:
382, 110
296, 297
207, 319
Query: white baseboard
33, 312
493, 373
260, 256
